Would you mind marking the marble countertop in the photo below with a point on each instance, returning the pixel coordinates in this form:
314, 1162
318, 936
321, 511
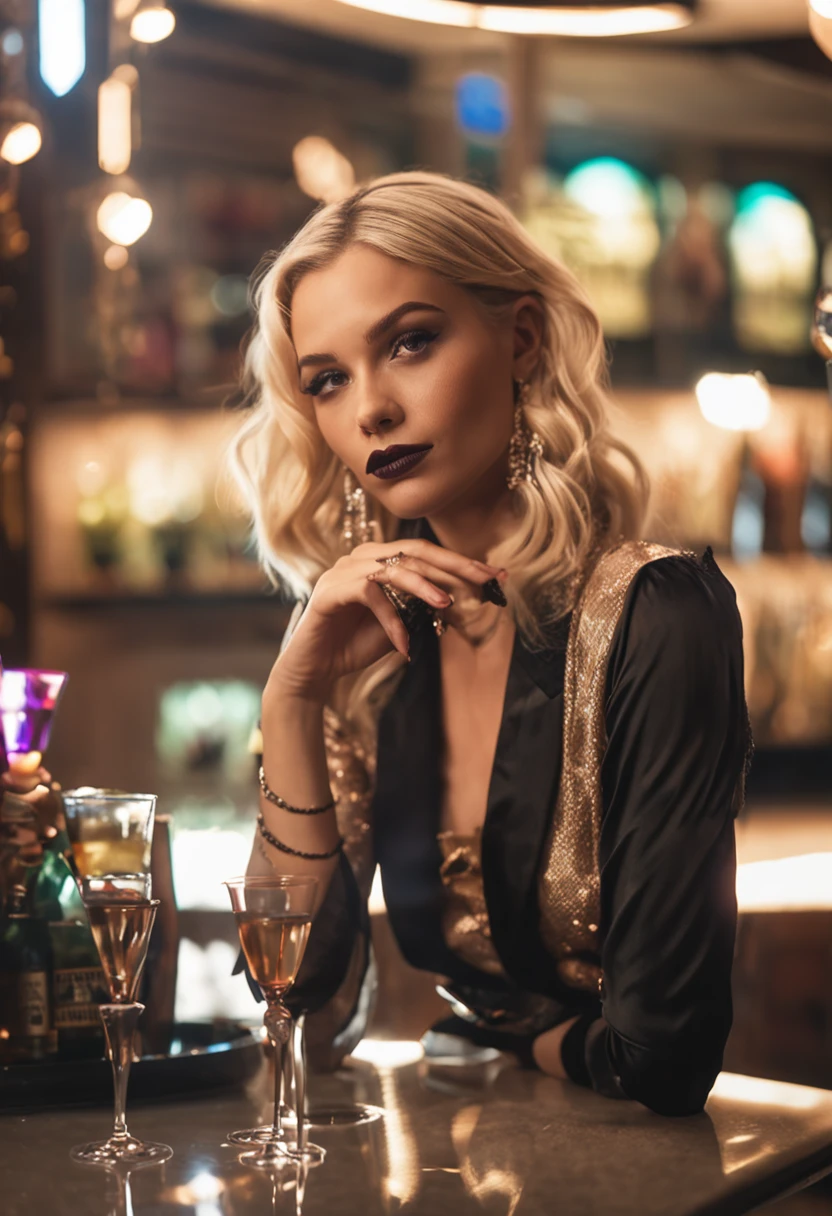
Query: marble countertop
487, 1139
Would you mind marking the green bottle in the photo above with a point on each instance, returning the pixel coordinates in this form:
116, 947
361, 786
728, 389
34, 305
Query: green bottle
27, 1032
78, 984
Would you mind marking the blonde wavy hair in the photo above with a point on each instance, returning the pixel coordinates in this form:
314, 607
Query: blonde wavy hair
592, 488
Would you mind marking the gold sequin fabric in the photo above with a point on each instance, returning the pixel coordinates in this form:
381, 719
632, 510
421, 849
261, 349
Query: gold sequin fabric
351, 779
569, 884
465, 923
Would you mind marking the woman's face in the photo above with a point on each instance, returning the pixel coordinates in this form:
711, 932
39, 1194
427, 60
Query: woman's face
392, 354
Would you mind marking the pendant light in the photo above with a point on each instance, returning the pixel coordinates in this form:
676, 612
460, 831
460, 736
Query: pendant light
20, 131
152, 21
820, 24
560, 18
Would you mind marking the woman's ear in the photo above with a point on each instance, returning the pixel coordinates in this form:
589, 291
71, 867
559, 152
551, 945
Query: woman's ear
527, 337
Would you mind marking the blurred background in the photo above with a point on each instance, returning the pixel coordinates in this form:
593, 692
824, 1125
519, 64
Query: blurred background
150, 155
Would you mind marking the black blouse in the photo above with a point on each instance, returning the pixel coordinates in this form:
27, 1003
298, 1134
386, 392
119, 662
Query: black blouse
672, 782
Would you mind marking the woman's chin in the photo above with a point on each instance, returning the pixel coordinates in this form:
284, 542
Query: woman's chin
409, 500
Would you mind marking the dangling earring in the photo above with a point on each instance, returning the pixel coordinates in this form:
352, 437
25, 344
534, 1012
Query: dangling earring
356, 529
525, 444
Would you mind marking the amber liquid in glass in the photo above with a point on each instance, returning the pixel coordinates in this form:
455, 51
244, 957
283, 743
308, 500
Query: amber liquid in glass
121, 929
273, 946
94, 857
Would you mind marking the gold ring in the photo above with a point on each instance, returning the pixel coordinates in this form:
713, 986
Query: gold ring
391, 561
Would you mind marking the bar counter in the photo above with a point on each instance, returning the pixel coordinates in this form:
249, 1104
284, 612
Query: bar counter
482, 1139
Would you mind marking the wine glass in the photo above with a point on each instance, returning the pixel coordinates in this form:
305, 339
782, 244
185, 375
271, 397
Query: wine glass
274, 916
110, 834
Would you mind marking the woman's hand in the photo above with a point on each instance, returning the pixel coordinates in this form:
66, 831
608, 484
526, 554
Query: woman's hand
43, 816
25, 773
349, 623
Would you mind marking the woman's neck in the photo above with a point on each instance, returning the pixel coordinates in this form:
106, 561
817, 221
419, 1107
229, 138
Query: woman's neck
477, 523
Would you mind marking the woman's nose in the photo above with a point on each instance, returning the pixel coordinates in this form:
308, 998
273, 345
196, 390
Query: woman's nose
378, 414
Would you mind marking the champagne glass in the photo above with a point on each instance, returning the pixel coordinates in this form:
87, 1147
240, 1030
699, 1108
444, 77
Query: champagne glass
274, 916
110, 834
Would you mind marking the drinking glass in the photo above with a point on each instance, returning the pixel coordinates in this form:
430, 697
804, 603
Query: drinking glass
274, 916
28, 700
110, 834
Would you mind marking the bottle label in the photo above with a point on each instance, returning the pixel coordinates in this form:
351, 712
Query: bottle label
24, 1008
78, 992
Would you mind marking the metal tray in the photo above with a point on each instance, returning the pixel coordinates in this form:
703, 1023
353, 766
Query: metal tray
195, 1056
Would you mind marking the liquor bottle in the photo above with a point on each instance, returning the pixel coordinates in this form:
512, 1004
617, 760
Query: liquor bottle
78, 983
26, 1025
32, 831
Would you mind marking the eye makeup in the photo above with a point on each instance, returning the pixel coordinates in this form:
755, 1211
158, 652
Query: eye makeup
424, 337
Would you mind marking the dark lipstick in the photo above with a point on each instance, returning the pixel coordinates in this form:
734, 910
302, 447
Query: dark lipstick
396, 459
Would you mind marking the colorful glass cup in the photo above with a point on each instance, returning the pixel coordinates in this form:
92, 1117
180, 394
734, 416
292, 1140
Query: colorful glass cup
28, 700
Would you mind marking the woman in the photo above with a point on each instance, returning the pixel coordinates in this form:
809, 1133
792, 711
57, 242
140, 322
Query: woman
533, 721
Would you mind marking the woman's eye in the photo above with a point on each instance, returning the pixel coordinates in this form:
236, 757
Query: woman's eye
413, 342
322, 381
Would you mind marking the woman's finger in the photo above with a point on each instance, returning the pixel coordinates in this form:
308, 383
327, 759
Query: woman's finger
405, 579
466, 568
387, 617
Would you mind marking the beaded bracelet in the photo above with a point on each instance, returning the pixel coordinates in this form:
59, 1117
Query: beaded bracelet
285, 806
284, 848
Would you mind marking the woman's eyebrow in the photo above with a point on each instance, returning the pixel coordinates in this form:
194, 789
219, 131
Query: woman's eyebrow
376, 330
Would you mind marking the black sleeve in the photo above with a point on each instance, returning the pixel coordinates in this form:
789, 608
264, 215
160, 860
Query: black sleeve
341, 926
672, 777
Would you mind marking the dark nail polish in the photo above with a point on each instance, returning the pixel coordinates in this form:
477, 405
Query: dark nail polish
492, 593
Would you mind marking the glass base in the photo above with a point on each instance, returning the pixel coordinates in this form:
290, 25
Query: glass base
274, 1152
344, 1116
251, 1135
121, 1150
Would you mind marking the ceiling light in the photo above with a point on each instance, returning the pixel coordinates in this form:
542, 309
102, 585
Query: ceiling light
321, 170
570, 19
153, 21
63, 45
20, 131
123, 218
820, 23
115, 145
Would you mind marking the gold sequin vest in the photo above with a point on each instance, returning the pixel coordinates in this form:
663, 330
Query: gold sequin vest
569, 884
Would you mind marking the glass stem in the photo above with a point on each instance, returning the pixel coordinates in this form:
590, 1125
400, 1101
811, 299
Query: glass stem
278, 1023
120, 1023
299, 1077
